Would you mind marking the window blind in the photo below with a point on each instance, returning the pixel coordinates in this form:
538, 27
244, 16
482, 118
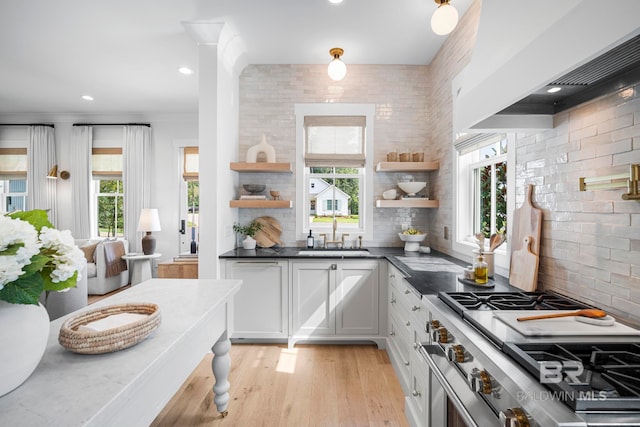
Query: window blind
13, 162
190, 167
334, 141
475, 141
106, 163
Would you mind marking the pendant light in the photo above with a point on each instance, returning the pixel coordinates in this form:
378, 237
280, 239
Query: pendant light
337, 70
444, 19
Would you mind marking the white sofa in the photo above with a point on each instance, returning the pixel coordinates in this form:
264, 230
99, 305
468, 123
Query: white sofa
60, 303
98, 283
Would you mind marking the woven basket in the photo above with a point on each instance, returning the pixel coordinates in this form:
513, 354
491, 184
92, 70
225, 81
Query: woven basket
111, 339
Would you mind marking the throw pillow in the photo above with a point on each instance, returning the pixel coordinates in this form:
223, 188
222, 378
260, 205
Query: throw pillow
89, 252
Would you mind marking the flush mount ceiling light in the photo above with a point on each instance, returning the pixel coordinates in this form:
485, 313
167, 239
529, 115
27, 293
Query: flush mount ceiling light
337, 70
87, 97
444, 19
554, 89
335, 1
185, 70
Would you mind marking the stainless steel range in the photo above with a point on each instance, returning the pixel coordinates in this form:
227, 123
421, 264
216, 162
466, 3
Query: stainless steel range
498, 371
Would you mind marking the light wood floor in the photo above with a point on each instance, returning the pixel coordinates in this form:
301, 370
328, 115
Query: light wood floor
310, 385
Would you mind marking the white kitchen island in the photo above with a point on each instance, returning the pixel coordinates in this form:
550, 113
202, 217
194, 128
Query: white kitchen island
131, 386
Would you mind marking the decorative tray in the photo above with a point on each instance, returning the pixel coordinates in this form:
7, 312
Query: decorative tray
489, 284
109, 328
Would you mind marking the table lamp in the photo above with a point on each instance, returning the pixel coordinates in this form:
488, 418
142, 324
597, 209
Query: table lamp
149, 221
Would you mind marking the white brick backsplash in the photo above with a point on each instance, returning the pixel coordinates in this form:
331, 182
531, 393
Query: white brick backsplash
603, 137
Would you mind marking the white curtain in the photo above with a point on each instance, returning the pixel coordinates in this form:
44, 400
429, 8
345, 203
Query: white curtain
80, 164
136, 177
41, 154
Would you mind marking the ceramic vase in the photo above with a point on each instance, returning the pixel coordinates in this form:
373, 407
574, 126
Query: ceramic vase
249, 243
24, 332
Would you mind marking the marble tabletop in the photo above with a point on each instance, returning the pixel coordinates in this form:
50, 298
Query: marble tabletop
127, 387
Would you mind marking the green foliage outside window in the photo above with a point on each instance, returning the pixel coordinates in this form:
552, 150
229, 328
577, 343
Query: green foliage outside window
500, 195
111, 209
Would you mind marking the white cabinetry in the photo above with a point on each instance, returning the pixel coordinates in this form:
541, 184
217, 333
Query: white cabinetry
407, 323
261, 307
336, 300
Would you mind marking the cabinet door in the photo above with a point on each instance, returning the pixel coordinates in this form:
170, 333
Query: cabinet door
357, 295
260, 308
313, 298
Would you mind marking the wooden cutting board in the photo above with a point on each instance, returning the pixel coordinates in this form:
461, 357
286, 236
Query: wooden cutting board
527, 224
269, 234
524, 267
527, 221
561, 326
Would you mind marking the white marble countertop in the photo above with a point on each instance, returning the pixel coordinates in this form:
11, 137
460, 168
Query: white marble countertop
127, 387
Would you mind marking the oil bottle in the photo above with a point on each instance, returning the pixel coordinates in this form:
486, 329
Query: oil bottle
480, 269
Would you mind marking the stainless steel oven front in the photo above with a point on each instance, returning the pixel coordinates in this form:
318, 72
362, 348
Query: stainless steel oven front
485, 386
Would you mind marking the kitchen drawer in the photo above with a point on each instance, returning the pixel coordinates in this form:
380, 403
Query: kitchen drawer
400, 348
417, 402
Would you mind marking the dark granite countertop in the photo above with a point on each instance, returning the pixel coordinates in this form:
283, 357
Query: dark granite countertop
427, 273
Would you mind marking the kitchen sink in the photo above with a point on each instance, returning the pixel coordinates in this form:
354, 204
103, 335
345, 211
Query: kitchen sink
334, 252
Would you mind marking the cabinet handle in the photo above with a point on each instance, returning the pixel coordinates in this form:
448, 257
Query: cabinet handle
334, 266
392, 276
392, 334
415, 308
407, 291
407, 363
393, 300
257, 262
416, 393
408, 323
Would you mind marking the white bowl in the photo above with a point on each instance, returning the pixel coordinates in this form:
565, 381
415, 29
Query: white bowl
412, 241
411, 188
390, 194
412, 237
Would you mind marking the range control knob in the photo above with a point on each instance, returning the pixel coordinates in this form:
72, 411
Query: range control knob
440, 335
456, 353
480, 381
434, 324
514, 417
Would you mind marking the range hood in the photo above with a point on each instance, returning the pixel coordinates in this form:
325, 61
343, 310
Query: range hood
524, 47
613, 70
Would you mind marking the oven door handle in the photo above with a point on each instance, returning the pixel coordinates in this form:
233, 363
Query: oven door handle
431, 351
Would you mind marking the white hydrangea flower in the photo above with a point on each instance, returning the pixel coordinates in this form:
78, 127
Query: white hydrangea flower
16, 231
67, 257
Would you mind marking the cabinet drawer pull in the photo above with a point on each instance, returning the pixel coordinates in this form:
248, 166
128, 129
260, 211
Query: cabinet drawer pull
415, 308
392, 276
416, 393
393, 300
407, 363
408, 323
257, 262
392, 334
407, 291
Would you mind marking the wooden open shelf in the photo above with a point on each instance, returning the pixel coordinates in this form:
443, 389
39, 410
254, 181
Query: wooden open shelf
407, 204
261, 204
261, 167
407, 166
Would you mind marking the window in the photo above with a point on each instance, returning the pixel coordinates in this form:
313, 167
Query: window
110, 207
13, 182
107, 192
334, 182
483, 190
190, 197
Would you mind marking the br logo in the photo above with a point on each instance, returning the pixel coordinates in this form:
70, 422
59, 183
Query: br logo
553, 372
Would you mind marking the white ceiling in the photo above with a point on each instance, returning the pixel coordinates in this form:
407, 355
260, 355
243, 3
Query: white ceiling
125, 53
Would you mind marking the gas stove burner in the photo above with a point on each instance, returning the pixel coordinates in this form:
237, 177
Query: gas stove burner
461, 301
592, 377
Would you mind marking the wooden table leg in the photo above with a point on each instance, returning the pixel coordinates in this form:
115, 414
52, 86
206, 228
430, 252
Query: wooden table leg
221, 365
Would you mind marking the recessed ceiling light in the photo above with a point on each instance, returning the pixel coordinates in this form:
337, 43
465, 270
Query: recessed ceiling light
335, 1
87, 97
554, 89
185, 70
